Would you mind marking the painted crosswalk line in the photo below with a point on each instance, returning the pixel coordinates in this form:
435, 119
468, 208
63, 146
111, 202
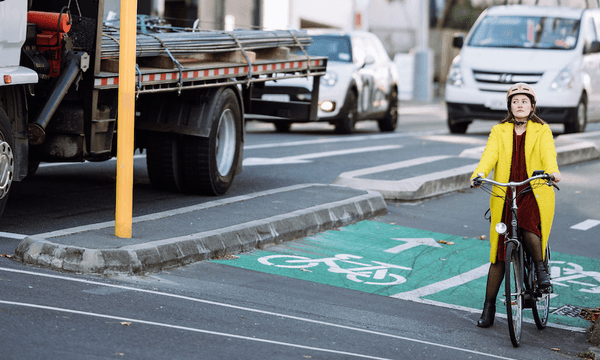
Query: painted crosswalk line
417, 265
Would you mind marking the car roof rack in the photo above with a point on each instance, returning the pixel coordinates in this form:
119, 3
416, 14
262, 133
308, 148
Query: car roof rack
587, 3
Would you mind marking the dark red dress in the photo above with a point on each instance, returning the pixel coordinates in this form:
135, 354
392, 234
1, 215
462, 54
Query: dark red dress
528, 213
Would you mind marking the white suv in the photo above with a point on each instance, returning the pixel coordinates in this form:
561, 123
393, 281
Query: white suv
555, 49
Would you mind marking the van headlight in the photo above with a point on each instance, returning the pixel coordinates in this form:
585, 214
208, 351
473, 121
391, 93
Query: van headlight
565, 78
455, 77
329, 79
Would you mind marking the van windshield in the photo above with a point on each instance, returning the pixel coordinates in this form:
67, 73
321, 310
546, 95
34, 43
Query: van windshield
526, 32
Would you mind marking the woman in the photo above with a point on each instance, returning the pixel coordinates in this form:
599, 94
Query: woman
520, 144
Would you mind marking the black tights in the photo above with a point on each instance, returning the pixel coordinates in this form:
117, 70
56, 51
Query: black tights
533, 246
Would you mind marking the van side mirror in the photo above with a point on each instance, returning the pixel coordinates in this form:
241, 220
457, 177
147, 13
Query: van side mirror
369, 59
458, 41
593, 47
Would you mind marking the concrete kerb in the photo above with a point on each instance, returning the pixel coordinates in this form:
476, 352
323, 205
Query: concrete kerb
166, 253
570, 149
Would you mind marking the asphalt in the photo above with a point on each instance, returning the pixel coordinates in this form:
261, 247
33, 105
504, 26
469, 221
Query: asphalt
232, 225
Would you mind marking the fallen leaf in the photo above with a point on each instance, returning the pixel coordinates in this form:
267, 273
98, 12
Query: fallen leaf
555, 349
303, 269
7, 256
126, 323
445, 242
482, 237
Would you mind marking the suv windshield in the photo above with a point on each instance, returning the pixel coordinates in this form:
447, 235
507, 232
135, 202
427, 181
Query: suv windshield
526, 32
336, 48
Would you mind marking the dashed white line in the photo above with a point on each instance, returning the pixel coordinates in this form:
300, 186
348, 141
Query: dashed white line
12, 235
586, 225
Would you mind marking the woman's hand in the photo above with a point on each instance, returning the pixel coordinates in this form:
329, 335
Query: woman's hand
555, 177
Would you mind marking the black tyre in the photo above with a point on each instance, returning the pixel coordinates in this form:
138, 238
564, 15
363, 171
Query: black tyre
390, 121
457, 127
578, 119
163, 161
541, 308
210, 164
7, 159
347, 123
513, 282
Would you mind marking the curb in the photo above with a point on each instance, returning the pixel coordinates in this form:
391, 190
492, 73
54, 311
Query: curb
569, 151
162, 254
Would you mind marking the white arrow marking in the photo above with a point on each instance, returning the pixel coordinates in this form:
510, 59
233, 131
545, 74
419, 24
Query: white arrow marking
411, 243
300, 159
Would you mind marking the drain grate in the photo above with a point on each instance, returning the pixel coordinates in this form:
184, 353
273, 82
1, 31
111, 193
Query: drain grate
570, 311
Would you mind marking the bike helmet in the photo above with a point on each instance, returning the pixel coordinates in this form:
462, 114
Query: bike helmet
521, 88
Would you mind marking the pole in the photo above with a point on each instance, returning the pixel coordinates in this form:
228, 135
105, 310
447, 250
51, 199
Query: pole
125, 118
423, 82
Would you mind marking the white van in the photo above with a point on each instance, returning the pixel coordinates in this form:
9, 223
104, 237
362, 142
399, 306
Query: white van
555, 49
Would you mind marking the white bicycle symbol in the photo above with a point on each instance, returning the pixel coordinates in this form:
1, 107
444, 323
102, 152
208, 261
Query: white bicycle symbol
563, 275
378, 272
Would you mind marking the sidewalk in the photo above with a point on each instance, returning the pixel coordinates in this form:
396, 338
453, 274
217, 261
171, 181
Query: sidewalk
200, 232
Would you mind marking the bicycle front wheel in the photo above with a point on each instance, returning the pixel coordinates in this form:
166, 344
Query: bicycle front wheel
513, 282
541, 309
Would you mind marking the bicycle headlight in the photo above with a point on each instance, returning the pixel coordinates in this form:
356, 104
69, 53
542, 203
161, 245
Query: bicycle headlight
501, 228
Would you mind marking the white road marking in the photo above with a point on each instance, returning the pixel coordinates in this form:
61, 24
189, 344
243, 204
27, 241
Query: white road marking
411, 243
214, 303
455, 139
586, 225
330, 140
12, 235
186, 328
300, 159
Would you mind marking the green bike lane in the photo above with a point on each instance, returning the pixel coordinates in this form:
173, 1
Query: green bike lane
417, 265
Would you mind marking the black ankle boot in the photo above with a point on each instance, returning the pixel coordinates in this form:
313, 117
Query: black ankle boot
488, 314
543, 281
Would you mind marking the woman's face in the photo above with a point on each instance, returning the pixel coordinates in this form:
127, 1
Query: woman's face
520, 106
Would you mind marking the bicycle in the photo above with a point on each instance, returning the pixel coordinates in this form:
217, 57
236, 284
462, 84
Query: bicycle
519, 276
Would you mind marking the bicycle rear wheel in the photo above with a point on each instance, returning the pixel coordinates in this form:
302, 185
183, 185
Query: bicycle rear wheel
514, 293
541, 309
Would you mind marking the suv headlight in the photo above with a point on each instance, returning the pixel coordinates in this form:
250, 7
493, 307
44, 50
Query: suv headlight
565, 78
455, 77
329, 79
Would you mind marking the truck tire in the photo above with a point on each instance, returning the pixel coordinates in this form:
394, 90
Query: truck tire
578, 118
209, 164
163, 161
346, 124
7, 160
390, 120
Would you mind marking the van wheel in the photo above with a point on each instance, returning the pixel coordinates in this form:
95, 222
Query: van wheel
578, 119
7, 159
457, 127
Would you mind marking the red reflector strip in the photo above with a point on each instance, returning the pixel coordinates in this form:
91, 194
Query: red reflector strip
7, 79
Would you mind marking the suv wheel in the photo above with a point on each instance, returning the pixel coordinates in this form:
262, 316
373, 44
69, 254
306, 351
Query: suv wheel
457, 127
578, 118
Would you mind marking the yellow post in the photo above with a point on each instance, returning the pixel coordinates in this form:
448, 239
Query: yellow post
125, 118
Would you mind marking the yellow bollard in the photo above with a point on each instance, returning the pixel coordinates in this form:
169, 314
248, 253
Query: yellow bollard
126, 119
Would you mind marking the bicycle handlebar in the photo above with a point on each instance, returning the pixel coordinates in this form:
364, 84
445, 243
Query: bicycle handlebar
477, 181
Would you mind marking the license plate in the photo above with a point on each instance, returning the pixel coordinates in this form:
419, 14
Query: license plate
496, 104
276, 97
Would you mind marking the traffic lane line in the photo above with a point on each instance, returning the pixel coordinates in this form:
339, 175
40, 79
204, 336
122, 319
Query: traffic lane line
186, 328
586, 225
12, 235
252, 310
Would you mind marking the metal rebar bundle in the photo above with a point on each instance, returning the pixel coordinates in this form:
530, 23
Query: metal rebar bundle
204, 41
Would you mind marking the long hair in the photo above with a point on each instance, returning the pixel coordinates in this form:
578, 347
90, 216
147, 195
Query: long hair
532, 116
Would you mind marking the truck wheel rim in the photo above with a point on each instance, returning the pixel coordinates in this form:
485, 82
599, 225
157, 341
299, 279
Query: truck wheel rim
6, 168
225, 142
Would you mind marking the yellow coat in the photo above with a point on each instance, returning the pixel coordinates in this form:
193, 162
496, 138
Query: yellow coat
540, 154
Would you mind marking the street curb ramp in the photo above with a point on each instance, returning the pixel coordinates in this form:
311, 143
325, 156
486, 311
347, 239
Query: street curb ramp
161, 254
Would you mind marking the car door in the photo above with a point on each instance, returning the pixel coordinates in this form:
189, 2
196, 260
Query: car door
591, 65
